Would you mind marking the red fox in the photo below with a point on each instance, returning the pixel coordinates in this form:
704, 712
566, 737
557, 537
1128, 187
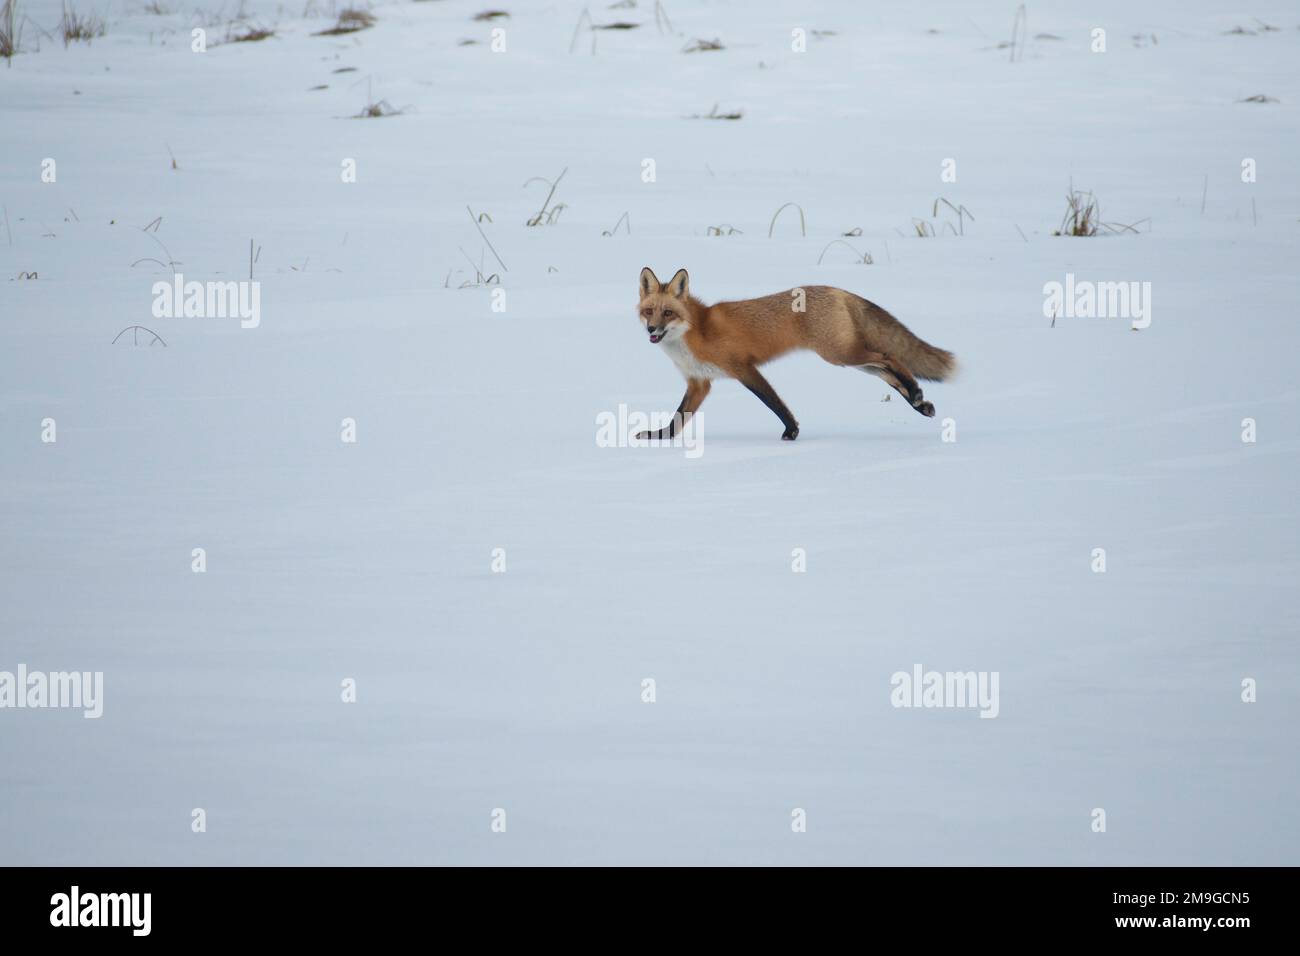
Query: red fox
732, 339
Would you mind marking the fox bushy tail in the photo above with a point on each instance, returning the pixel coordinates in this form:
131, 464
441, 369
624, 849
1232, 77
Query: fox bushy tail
927, 361
884, 333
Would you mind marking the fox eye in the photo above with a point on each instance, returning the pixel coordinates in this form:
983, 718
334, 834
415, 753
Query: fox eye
647, 312
668, 313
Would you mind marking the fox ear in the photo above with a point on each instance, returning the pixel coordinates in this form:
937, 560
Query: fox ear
649, 282
679, 284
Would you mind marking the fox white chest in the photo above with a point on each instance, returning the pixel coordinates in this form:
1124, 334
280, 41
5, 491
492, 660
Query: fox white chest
687, 363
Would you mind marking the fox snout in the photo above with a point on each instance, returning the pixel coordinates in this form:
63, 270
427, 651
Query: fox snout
656, 332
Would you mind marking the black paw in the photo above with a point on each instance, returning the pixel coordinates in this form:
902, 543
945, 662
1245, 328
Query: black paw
790, 434
926, 409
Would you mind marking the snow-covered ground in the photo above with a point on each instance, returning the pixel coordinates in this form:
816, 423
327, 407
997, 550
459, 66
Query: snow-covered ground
476, 429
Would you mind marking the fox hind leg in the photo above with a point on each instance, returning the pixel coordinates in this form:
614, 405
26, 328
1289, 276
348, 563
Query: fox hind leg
897, 377
856, 354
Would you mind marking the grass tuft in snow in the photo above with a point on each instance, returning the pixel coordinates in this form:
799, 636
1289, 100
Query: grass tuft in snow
351, 20
480, 277
490, 15
545, 215
10, 29
715, 115
80, 26
703, 46
378, 110
925, 229
250, 34
1244, 32
1082, 214
1083, 217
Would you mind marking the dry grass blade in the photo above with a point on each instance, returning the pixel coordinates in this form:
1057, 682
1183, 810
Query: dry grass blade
961, 211
863, 258
478, 219
662, 23
585, 15
135, 331
803, 225
1019, 28
623, 220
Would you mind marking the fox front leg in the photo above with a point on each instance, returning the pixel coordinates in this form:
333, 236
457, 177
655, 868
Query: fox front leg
697, 389
753, 380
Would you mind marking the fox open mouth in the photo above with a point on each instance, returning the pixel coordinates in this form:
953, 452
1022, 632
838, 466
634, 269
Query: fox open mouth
656, 336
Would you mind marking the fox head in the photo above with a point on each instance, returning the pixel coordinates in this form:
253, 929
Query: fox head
663, 307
